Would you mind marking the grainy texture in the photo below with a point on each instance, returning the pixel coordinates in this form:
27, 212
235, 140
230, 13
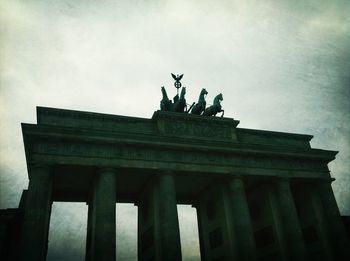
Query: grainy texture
281, 66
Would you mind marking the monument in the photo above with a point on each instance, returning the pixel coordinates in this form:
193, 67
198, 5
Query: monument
259, 195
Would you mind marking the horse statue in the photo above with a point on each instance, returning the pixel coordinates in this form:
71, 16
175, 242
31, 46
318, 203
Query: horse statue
179, 104
165, 103
199, 107
215, 108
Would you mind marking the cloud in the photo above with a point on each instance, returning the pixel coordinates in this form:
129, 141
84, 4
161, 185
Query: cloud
281, 66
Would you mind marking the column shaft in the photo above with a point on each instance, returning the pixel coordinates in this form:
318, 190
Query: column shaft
291, 226
200, 233
35, 228
168, 219
242, 222
89, 233
339, 239
321, 223
101, 217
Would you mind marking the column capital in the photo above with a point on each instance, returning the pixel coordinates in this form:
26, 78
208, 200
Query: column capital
282, 182
163, 172
236, 176
40, 169
282, 178
326, 180
195, 205
236, 182
106, 169
38, 165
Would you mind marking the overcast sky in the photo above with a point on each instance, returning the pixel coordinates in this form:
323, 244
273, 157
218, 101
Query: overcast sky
281, 65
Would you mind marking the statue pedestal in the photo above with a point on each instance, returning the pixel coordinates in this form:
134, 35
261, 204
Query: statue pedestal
195, 126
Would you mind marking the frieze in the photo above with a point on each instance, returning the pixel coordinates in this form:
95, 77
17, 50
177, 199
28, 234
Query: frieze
195, 126
145, 153
180, 128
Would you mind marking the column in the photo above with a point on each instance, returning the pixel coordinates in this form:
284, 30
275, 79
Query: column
200, 232
101, 217
169, 233
216, 226
291, 226
321, 222
242, 222
37, 210
340, 242
89, 232
146, 242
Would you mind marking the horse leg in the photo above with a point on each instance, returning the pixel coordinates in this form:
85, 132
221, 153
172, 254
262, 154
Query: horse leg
222, 115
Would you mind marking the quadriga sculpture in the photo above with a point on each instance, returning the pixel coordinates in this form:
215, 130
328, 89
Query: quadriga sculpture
215, 108
180, 103
199, 107
165, 103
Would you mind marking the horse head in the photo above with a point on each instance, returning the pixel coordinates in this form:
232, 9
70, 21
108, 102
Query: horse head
218, 98
203, 92
221, 98
201, 97
164, 92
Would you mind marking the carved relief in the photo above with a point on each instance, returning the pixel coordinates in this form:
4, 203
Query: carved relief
181, 128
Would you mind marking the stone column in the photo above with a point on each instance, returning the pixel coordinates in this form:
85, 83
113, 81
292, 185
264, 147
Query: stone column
320, 222
200, 232
37, 210
169, 233
101, 217
89, 232
242, 222
292, 231
339, 239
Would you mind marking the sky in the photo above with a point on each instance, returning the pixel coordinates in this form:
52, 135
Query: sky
281, 66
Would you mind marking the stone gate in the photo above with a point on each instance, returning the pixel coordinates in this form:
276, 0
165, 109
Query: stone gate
259, 195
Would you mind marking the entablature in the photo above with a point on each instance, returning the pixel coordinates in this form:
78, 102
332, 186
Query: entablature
178, 141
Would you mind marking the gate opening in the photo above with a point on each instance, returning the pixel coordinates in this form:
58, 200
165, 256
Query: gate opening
188, 233
126, 231
68, 228
67, 233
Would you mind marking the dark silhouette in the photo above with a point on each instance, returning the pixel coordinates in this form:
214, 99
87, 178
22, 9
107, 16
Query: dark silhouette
215, 108
199, 107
